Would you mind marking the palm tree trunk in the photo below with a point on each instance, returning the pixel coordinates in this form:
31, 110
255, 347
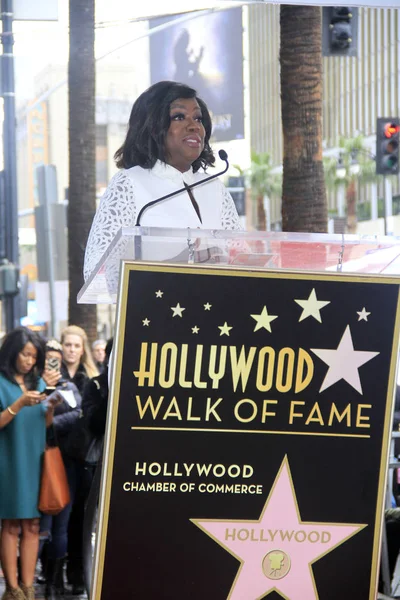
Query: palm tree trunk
304, 205
82, 147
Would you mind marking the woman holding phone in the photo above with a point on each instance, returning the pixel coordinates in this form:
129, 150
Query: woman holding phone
66, 413
23, 421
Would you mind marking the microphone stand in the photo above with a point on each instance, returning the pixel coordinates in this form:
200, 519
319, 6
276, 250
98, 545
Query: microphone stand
138, 239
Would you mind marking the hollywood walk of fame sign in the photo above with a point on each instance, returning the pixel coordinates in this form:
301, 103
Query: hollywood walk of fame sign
248, 435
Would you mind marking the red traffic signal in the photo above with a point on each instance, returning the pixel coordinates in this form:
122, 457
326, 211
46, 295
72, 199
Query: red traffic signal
390, 129
387, 146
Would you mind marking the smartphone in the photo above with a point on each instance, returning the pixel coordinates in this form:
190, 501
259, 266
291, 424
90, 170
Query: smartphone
49, 390
53, 364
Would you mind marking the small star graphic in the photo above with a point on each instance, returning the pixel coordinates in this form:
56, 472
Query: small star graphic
195, 329
363, 315
207, 306
177, 310
264, 320
311, 307
275, 563
225, 329
344, 362
159, 294
146, 322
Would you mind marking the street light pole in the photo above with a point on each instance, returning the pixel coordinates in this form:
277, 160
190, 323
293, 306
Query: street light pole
9, 145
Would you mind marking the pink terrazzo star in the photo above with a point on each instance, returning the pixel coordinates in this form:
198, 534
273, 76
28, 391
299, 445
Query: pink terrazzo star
277, 550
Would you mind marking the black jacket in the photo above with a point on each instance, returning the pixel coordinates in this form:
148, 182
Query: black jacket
94, 403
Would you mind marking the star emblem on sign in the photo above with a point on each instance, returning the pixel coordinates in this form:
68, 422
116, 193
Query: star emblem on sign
363, 315
177, 310
225, 329
263, 320
344, 362
311, 307
277, 550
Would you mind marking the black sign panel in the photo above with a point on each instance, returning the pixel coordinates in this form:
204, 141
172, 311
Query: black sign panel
248, 436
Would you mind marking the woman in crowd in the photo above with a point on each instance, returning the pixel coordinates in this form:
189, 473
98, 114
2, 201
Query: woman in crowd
166, 148
66, 414
23, 422
78, 366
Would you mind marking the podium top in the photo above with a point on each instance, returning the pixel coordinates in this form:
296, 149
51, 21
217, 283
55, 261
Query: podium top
263, 250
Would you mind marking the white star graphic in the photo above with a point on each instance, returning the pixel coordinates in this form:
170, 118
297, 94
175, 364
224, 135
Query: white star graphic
344, 362
195, 329
207, 306
159, 294
177, 310
363, 315
264, 320
225, 329
311, 307
146, 322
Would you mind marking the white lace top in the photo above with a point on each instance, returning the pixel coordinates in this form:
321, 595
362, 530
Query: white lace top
130, 189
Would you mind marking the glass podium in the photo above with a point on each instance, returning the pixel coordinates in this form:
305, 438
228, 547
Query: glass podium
261, 250
266, 364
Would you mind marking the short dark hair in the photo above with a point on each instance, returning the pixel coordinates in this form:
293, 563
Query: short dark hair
149, 123
13, 343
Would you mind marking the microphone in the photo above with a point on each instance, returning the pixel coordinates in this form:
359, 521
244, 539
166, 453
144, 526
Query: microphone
223, 156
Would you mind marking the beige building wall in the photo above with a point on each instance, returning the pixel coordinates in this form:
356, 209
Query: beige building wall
356, 90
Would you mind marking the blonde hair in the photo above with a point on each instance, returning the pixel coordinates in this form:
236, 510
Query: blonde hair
87, 359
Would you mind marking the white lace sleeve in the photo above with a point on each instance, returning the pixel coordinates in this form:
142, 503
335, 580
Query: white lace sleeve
117, 209
229, 216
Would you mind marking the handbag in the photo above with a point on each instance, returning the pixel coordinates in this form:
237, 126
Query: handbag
54, 488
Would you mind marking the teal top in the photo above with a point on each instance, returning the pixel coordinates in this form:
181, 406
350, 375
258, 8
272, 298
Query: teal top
22, 444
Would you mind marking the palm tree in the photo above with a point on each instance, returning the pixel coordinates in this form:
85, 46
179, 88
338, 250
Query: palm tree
355, 165
304, 205
82, 146
263, 182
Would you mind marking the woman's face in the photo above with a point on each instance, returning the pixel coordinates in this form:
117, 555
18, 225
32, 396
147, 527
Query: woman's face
185, 137
26, 359
72, 346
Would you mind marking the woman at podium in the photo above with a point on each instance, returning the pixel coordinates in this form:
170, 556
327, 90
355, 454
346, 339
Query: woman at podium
166, 149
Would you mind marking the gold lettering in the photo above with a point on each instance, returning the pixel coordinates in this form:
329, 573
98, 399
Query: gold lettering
169, 353
210, 409
197, 368
360, 417
293, 414
173, 410
334, 414
266, 414
239, 404
182, 368
149, 404
281, 371
142, 374
217, 375
318, 418
304, 363
265, 387
189, 411
241, 367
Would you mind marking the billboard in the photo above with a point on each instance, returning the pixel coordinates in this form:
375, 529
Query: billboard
205, 53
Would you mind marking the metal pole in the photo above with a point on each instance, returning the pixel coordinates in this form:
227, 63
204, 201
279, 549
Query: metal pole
46, 172
9, 143
388, 204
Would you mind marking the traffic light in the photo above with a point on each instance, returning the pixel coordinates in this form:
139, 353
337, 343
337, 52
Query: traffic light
339, 31
387, 146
